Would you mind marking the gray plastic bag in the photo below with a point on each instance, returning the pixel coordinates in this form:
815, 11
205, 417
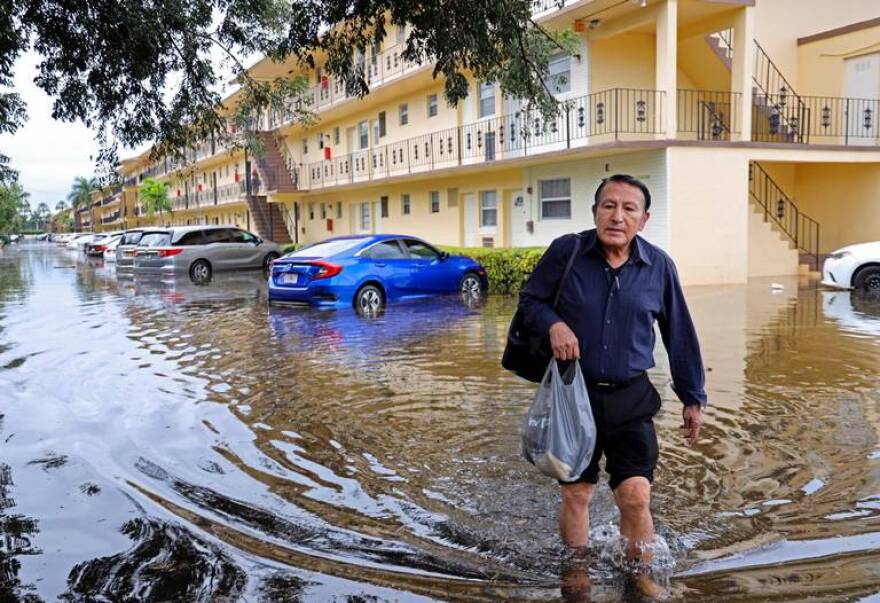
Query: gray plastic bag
559, 433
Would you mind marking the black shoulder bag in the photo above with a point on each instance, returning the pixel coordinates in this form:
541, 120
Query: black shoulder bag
527, 354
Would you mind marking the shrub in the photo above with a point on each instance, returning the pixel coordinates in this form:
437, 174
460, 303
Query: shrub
508, 269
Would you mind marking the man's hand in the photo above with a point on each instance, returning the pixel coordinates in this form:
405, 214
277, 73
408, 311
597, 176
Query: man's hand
563, 342
693, 421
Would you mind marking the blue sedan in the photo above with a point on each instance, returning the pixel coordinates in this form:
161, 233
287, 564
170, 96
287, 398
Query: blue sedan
371, 270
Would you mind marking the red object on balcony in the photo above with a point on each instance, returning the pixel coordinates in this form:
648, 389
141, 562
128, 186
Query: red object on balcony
325, 81
178, 192
236, 176
330, 224
200, 188
327, 153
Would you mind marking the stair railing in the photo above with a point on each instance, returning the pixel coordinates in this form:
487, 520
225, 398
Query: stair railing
797, 226
786, 112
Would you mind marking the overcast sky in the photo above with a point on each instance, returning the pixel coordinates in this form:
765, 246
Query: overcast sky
48, 154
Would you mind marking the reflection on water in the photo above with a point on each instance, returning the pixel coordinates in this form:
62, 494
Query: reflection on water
179, 442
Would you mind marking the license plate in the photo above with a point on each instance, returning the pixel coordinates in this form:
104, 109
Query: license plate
290, 278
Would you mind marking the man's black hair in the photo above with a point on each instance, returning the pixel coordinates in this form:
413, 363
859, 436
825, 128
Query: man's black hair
625, 179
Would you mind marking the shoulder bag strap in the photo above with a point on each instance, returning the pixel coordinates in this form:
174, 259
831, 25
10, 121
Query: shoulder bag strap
577, 248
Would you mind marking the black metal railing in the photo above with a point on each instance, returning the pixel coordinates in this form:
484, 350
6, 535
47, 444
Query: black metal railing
615, 114
800, 228
837, 120
778, 112
708, 115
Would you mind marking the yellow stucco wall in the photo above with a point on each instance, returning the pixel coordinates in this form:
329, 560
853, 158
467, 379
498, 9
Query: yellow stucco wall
623, 61
708, 214
843, 198
821, 63
779, 23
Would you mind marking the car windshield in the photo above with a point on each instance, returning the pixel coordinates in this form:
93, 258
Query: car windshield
155, 239
325, 248
131, 238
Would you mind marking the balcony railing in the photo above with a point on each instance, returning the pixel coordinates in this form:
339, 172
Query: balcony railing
708, 115
836, 120
114, 217
616, 114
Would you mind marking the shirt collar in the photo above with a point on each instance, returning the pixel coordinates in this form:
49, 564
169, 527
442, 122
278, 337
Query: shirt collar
638, 253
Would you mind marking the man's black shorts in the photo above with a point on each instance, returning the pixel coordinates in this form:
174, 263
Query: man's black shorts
625, 431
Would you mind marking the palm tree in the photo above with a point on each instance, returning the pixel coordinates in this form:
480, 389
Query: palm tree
154, 197
81, 194
61, 206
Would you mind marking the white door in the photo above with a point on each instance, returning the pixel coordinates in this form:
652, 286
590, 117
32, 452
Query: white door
377, 216
470, 220
518, 215
861, 89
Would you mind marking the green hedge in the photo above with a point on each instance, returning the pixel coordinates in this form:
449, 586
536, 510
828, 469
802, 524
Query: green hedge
508, 269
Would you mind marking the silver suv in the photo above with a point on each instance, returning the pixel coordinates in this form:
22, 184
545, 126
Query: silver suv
200, 250
128, 247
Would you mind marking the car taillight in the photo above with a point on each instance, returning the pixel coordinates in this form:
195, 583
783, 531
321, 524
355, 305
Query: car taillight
167, 253
100, 248
326, 269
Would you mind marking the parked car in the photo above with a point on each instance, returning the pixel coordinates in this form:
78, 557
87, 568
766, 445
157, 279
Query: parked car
80, 241
110, 248
368, 272
127, 247
98, 245
201, 250
854, 267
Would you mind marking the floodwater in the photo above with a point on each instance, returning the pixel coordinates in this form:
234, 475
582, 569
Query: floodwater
166, 442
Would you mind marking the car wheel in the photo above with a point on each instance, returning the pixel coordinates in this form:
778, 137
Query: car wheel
267, 261
369, 299
868, 279
200, 272
470, 285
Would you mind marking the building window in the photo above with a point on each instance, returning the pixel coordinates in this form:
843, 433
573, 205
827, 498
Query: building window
364, 134
555, 197
336, 136
435, 202
382, 128
323, 211
321, 141
403, 110
365, 216
404, 204
383, 202
487, 99
558, 78
311, 211
305, 146
432, 105
339, 210
488, 208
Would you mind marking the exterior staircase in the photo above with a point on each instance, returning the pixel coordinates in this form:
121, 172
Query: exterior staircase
267, 220
798, 231
779, 114
272, 168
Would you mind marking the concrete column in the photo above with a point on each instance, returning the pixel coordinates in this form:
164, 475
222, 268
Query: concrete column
742, 69
666, 64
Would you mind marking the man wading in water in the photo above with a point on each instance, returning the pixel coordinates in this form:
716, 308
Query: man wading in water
618, 286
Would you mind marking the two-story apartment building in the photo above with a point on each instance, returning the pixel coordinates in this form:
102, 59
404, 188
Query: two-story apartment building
748, 119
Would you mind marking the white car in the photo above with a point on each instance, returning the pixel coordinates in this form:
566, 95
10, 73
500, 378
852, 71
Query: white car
110, 248
80, 241
854, 267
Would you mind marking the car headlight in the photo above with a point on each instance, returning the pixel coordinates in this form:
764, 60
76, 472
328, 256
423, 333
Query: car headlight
839, 255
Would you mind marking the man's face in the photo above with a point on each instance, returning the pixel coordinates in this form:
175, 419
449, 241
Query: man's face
619, 214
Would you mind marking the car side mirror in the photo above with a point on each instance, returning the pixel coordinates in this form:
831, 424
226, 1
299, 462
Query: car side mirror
258, 241
444, 255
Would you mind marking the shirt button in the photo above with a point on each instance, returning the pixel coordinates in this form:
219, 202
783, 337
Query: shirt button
608, 322
604, 347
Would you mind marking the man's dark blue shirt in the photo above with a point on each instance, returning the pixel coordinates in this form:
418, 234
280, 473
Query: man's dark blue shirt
612, 312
